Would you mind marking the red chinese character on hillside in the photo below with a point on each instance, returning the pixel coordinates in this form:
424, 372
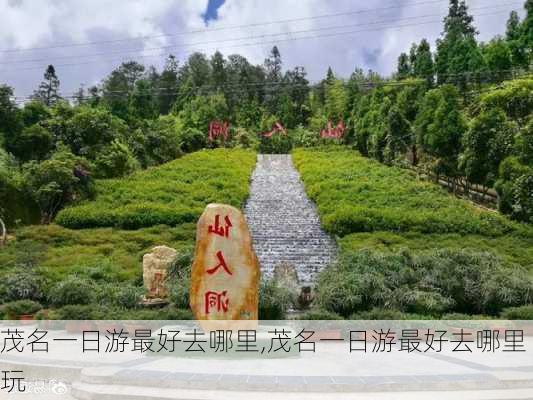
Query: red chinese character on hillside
217, 128
336, 132
215, 300
221, 264
276, 128
219, 229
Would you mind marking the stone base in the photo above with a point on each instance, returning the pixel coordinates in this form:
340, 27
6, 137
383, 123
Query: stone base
153, 303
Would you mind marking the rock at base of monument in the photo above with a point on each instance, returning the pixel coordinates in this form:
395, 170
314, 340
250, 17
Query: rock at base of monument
153, 303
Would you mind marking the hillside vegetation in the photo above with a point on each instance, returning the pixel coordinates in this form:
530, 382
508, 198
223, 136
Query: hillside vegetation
171, 194
370, 205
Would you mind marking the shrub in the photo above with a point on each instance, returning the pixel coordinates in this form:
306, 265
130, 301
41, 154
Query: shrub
115, 160
274, 300
319, 315
17, 308
76, 312
129, 296
178, 283
22, 285
276, 144
518, 313
431, 283
381, 314
71, 291
192, 140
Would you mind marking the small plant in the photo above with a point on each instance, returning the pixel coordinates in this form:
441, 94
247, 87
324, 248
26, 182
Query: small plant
274, 300
75, 312
319, 315
22, 285
518, 313
17, 308
72, 290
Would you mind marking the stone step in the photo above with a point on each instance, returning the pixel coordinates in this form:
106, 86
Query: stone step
284, 223
116, 383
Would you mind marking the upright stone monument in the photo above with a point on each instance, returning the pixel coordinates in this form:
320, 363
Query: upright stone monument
225, 271
155, 272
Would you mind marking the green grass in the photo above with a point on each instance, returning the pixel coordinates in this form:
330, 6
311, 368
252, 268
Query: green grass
181, 187
368, 205
171, 194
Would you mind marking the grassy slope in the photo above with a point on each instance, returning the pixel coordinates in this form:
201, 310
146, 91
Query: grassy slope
183, 186
171, 194
369, 205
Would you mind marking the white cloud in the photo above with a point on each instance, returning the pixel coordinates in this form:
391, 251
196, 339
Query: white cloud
43, 23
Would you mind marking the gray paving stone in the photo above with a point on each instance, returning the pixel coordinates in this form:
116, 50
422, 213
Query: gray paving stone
284, 222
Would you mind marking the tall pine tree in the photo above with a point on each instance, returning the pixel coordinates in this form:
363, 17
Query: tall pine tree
48, 91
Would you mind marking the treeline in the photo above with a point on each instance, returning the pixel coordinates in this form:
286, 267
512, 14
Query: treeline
433, 112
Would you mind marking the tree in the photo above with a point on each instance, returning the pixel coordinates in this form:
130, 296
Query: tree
143, 102
404, 67
79, 96
10, 119
423, 66
48, 92
218, 70
458, 58
90, 130
398, 134
513, 37
115, 160
118, 86
56, 182
33, 143
439, 127
487, 142
168, 85
527, 33
272, 80
336, 101
199, 112
498, 59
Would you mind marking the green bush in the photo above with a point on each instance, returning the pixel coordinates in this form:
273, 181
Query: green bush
178, 283
431, 283
22, 285
17, 308
76, 312
381, 314
518, 313
274, 300
171, 194
71, 291
278, 143
319, 315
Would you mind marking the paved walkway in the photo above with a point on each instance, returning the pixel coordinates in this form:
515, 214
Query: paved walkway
284, 223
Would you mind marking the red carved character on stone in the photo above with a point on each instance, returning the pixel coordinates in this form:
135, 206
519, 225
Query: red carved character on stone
217, 301
336, 132
218, 229
218, 128
276, 128
221, 264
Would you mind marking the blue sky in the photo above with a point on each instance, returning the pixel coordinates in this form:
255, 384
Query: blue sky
87, 39
211, 11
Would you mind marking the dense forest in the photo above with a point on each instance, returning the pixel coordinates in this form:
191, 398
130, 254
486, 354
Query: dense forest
461, 110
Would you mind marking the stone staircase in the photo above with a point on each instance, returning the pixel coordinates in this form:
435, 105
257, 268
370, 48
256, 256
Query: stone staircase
283, 221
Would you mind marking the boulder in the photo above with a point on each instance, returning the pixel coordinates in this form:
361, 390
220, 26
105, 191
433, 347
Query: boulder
225, 272
155, 271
